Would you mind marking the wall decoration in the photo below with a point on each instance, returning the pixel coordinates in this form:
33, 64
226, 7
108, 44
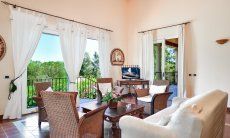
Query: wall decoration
2, 48
117, 57
222, 41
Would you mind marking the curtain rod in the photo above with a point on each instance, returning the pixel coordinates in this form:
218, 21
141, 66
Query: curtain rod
164, 27
14, 5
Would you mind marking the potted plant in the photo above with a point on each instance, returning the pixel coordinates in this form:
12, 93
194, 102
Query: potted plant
112, 99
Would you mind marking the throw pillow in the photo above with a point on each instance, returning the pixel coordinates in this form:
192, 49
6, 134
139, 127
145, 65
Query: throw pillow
154, 89
49, 89
177, 101
105, 87
186, 123
164, 120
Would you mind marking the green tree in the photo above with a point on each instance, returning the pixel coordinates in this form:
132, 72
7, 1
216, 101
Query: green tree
87, 67
170, 57
96, 70
51, 69
33, 69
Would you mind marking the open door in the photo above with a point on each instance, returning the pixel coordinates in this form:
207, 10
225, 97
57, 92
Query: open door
166, 62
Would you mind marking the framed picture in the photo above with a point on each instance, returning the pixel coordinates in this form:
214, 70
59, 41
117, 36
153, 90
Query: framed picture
2, 48
117, 57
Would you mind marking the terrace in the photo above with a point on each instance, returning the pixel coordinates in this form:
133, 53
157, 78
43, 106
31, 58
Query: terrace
83, 85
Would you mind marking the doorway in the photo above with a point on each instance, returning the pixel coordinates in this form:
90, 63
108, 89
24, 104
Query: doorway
166, 62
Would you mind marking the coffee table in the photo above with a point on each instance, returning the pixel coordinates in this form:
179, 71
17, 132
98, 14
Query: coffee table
113, 115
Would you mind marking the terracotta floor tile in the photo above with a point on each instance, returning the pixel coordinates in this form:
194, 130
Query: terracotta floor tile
27, 127
15, 136
227, 132
3, 136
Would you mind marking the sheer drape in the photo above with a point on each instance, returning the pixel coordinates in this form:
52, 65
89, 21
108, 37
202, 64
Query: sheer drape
181, 62
73, 43
147, 66
26, 31
104, 53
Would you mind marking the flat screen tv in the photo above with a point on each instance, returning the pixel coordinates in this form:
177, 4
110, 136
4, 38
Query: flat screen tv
130, 72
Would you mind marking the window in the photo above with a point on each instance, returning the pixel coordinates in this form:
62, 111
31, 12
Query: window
90, 65
46, 65
47, 61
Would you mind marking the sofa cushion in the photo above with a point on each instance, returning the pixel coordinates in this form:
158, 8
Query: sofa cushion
166, 113
154, 89
186, 123
177, 101
164, 120
146, 99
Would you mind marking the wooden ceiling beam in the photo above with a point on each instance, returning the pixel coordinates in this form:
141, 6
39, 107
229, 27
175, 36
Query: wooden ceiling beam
171, 44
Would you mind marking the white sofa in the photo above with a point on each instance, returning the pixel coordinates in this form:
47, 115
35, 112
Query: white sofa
202, 116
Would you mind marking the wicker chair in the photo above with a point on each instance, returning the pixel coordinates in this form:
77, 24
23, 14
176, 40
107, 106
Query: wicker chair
64, 120
104, 85
156, 102
42, 86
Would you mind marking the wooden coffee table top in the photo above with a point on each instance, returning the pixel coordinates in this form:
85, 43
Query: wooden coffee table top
113, 115
121, 110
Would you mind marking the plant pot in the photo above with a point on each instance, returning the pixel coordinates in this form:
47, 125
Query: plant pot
112, 105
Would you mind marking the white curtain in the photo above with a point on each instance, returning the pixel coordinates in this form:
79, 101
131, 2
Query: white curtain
163, 46
104, 53
26, 31
181, 67
73, 44
147, 66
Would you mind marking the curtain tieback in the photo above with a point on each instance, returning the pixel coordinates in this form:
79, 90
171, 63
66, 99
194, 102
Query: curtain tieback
72, 82
13, 87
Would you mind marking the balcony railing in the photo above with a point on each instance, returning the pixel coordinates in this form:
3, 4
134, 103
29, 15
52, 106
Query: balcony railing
83, 85
171, 76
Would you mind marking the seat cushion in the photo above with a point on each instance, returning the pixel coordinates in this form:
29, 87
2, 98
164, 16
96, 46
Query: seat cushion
105, 87
49, 89
157, 89
146, 99
155, 118
80, 114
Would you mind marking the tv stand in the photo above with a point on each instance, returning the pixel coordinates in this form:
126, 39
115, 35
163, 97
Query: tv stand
130, 83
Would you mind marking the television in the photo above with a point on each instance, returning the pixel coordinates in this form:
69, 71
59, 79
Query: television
130, 72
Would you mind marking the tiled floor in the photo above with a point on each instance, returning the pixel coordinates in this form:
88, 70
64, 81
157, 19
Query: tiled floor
27, 128
227, 126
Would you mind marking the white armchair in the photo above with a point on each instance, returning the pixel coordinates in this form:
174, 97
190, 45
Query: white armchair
104, 85
155, 98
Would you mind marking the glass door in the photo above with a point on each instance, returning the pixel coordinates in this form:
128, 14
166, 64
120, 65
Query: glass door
159, 60
165, 61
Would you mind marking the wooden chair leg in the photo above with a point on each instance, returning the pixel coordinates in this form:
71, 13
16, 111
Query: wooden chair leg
39, 124
152, 108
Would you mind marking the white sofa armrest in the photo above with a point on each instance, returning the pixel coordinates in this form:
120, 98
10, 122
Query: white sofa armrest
133, 127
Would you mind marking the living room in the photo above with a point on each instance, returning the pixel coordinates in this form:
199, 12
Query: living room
206, 64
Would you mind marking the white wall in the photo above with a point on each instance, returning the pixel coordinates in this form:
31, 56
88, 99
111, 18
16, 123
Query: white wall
210, 21
109, 14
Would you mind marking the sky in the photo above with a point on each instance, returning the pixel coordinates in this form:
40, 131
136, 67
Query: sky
49, 48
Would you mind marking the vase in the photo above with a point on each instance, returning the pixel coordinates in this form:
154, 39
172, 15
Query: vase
112, 105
